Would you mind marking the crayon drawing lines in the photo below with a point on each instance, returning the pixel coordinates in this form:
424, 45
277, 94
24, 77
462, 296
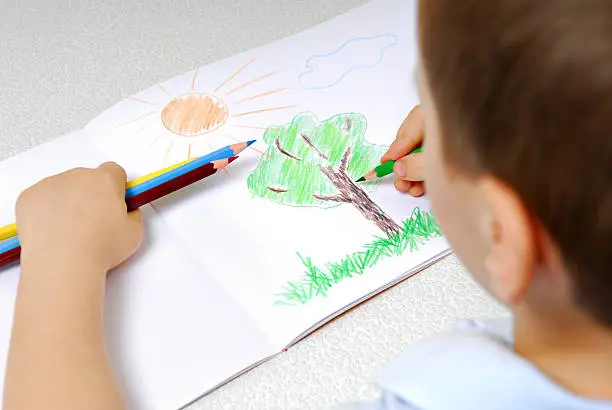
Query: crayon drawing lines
329, 69
231, 77
251, 82
193, 119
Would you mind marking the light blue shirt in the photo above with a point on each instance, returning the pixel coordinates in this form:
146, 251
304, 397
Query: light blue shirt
471, 368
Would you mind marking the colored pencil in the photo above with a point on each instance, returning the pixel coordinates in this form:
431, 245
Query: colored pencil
135, 187
152, 175
8, 245
10, 249
10, 256
223, 153
383, 169
177, 183
8, 231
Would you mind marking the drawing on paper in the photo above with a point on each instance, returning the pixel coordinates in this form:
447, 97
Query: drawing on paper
192, 122
318, 280
312, 163
315, 163
326, 70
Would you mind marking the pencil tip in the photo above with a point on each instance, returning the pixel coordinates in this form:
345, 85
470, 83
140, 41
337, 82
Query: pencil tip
361, 179
232, 159
251, 142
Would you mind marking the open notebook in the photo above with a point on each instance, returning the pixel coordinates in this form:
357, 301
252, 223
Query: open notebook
238, 267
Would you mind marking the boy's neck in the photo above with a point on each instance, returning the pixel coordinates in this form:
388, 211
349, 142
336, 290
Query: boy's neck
571, 349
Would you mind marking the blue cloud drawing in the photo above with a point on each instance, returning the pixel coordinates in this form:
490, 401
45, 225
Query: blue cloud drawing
327, 70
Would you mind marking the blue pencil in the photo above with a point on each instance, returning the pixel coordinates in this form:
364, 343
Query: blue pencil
9, 244
223, 153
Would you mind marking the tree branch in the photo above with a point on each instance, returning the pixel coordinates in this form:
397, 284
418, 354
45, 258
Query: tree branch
345, 160
277, 190
334, 198
309, 142
285, 152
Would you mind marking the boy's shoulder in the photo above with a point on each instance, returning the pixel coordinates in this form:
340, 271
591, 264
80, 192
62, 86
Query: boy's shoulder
472, 367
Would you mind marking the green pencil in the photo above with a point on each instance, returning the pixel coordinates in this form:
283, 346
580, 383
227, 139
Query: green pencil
384, 169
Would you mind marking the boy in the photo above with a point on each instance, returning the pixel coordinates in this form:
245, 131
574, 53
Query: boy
516, 107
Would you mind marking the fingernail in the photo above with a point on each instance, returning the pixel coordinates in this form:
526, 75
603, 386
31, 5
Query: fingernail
399, 169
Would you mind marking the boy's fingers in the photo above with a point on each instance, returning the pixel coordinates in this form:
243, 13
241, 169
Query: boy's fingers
403, 186
135, 216
409, 136
410, 168
417, 189
115, 170
117, 174
135, 221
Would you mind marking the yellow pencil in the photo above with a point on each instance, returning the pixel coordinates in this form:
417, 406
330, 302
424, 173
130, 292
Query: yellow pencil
152, 175
9, 231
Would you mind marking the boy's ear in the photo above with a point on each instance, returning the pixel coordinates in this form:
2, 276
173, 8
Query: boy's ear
507, 226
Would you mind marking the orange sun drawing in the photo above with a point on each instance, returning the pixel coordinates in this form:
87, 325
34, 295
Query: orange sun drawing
194, 114
195, 122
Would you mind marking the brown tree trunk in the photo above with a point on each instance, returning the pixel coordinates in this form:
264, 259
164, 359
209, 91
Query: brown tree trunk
350, 192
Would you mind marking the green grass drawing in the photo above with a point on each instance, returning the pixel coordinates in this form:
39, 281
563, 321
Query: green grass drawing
318, 280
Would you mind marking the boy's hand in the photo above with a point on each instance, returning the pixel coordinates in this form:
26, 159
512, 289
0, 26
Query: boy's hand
408, 169
74, 228
79, 214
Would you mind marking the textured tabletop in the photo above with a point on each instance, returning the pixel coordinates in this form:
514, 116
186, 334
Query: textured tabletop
63, 62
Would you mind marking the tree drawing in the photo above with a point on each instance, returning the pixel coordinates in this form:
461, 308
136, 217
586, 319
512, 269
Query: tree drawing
313, 163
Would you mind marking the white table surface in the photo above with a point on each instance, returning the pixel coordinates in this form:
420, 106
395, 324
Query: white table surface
62, 62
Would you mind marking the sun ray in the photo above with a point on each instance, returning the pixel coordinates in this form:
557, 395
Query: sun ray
256, 96
136, 119
161, 87
193, 80
210, 148
145, 129
250, 82
157, 139
168, 152
227, 172
282, 107
251, 127
231, 77
143, 101
149, 137
250, 146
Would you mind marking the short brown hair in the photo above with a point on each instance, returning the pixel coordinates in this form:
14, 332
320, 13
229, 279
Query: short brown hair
523, 89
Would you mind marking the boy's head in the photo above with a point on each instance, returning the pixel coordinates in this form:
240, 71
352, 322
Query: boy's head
517, 102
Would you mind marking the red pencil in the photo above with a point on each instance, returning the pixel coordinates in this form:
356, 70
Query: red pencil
148, 196
10, 256
177, 183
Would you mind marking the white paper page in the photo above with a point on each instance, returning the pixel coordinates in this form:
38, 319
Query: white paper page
363, 68
171, 330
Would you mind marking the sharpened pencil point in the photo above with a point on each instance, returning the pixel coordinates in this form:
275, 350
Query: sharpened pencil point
361, 179
251, 142
232, 159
